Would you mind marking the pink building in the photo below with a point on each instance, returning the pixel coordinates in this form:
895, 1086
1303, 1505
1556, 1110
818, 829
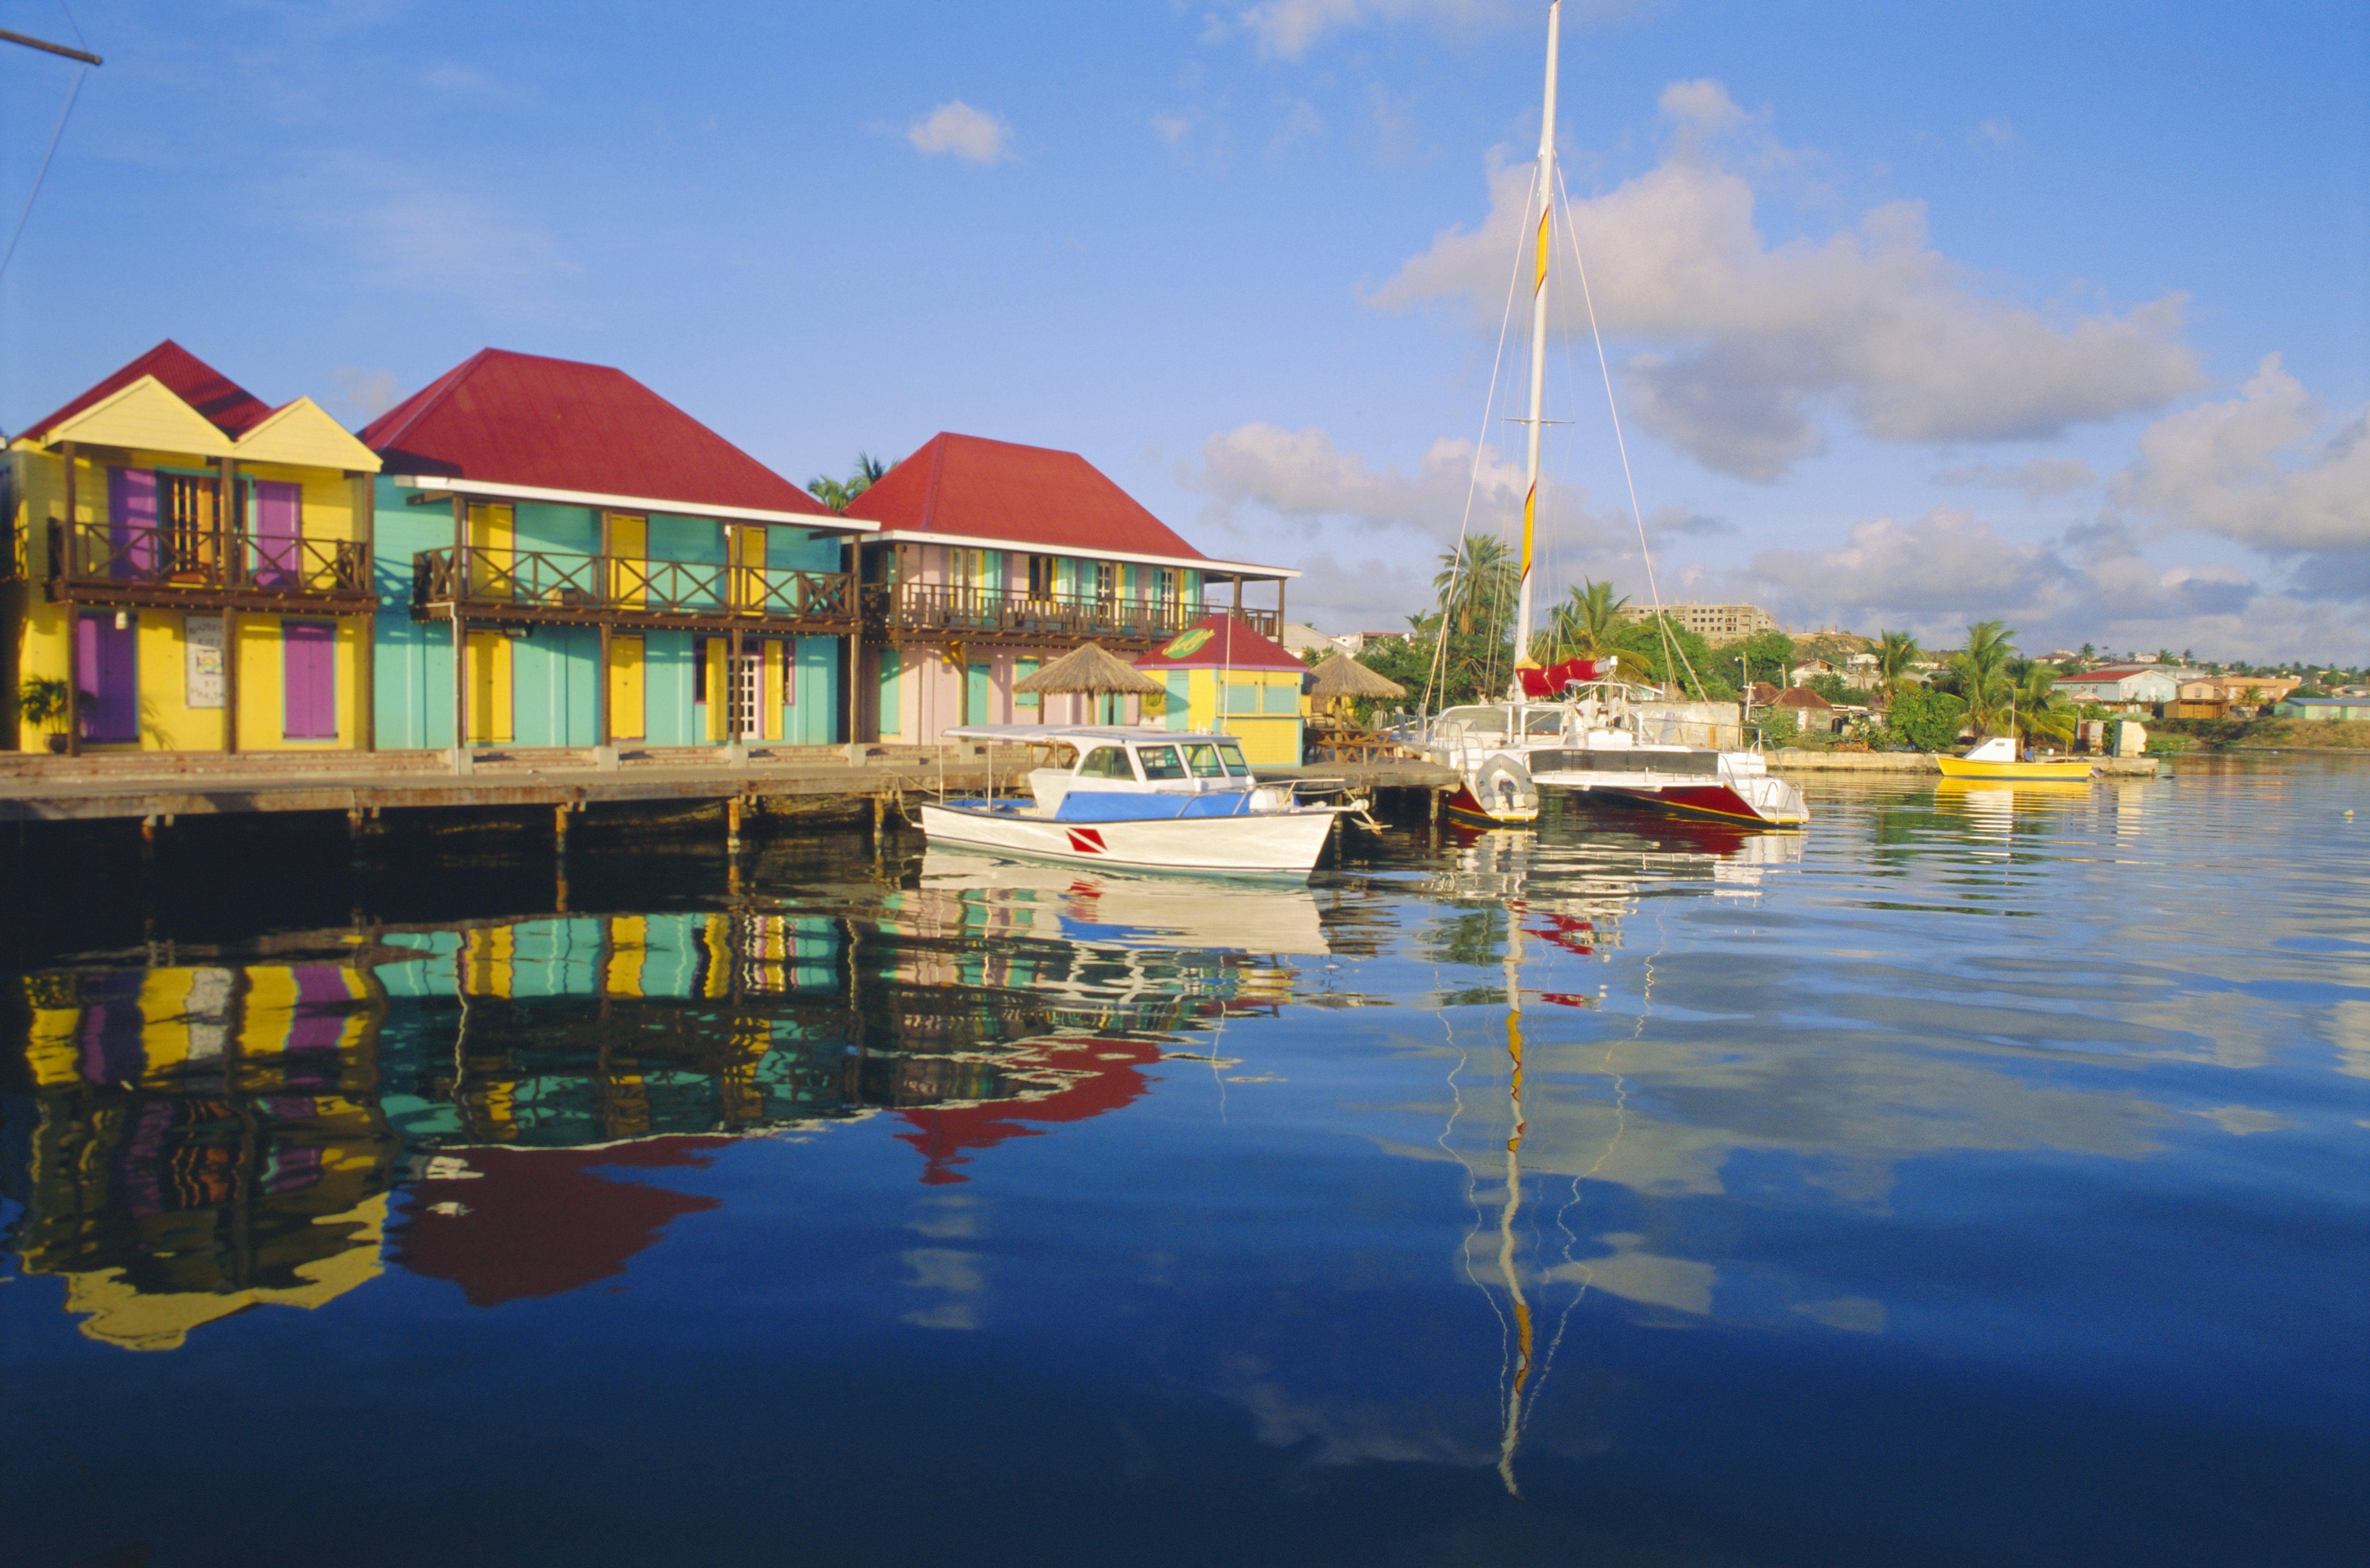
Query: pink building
992, 560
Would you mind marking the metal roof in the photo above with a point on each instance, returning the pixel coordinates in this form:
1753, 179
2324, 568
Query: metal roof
224, 404
526, 421
1002, 494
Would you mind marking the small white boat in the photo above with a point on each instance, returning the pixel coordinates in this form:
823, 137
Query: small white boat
1160, 799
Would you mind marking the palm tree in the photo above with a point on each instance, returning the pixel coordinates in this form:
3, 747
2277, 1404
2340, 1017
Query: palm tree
1983, 678
1895, 651
2040, 712
1584, 626
1477, 578
837, 493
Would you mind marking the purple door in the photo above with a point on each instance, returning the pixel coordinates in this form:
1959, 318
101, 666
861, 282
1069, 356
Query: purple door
109, 678
130, 522
279, 511
308, 677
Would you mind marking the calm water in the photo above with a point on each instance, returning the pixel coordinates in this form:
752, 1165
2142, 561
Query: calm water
1978, 1178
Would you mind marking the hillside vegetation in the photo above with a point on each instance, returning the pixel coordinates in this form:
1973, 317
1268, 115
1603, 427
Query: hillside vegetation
2266, 733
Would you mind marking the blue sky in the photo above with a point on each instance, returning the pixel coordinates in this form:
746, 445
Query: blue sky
1915, 314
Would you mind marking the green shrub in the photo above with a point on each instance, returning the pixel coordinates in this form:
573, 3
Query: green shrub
1926, 720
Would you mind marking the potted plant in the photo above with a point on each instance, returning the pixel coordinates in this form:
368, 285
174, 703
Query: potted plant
42, 701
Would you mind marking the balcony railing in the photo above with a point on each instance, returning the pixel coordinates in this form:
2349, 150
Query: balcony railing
921, 609
500, 584
103, 562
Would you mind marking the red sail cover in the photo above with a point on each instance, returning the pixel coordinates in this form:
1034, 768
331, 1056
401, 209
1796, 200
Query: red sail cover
1556, 677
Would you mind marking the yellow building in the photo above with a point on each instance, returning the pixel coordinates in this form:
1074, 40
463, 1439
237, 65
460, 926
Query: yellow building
1223, 676
191, 570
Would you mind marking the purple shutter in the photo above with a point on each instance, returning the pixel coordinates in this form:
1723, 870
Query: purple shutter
131, 521
109, 659
308, 673
279, 513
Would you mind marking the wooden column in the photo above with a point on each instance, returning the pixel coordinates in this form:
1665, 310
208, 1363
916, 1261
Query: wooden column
230, 680
853, 718
366, 633
230, 565
60, 570
600, 691
1238, 594
460, 633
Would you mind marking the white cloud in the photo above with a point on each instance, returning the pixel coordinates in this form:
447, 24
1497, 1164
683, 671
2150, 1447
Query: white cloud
968, 133
2040, 478
1743, 350
2240, 468
1937, 573
448, 242
1997, 133
365, 395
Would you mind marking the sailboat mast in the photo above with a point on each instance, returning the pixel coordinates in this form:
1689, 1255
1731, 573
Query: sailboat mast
1539, 340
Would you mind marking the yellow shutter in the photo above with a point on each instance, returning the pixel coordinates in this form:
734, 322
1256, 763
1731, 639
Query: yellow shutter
493, 539
719, 692
629, 544
489, 687
770, 721
626, 711
749, 554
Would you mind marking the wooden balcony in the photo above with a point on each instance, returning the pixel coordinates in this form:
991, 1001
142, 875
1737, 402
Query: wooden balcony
921, 612
542, 587
187, 568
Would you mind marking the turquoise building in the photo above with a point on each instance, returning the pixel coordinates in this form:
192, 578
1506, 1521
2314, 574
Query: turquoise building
607, 569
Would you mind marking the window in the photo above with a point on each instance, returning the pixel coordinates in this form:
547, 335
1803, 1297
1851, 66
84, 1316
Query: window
1043, 579
1203, 758
1106, 582
1165, 586
1233, 756
185, 520
1161, 761
699, 668
1106, 762
1543, 721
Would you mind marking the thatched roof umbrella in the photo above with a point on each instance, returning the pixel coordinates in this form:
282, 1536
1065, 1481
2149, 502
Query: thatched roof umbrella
1092, 670
1342, 677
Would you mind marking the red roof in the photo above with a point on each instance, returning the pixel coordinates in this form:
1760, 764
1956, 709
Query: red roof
505, 419
1800, 697
1219, 640
1029, 495
228, 407
2121, 672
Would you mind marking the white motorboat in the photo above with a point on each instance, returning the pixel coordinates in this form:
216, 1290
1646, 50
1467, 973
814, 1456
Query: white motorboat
1158, 799
1598, 741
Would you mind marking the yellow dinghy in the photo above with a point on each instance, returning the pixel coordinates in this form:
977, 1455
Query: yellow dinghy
1996, 759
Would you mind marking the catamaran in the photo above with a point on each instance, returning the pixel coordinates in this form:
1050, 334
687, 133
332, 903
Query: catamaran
1573, 725
1160, 799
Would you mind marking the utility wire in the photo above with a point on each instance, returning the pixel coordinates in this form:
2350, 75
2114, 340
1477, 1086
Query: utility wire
72, 93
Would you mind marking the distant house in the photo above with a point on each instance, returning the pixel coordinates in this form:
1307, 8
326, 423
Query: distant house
2324, 709
2131, 686
1302, 638
2262, 689
1810, 710
1716, 623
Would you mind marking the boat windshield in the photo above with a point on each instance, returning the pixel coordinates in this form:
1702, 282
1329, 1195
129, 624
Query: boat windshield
1160, 761
1203, 758
1232, 755
1106, 762
1476, 719
1543, 721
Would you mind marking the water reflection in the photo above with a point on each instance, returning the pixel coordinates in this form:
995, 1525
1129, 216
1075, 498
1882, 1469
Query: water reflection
204, 1139
1445, 1207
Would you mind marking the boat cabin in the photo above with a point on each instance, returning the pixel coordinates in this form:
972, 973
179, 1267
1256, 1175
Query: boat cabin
1114, 762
